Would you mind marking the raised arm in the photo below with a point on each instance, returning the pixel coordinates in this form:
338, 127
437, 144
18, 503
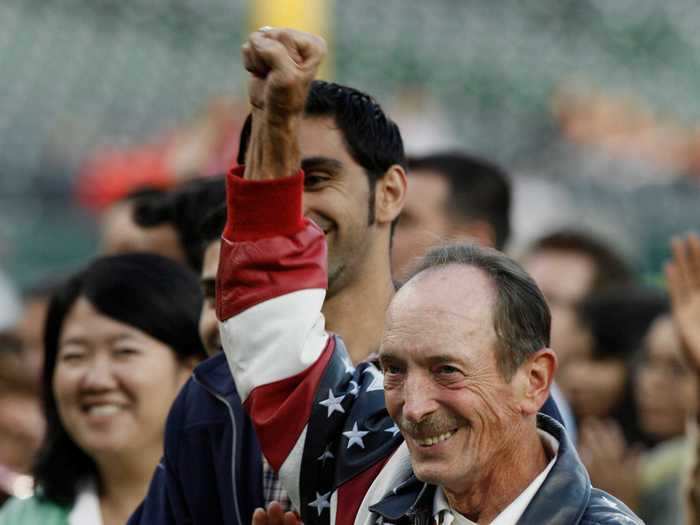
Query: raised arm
321, 423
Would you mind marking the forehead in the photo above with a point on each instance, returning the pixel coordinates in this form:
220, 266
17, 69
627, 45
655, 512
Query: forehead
444, 310
86, 322
562, 275
321, 137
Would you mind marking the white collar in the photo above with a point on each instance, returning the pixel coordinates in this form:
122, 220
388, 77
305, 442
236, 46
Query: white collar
444, 515
86, 509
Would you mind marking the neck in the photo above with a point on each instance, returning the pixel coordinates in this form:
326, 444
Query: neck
356, 312
495, 490
124, 482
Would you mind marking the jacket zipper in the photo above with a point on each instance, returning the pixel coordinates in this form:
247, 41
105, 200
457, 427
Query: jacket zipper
233, 447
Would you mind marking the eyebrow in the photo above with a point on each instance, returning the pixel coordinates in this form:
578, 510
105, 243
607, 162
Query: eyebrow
319, 162
82, 341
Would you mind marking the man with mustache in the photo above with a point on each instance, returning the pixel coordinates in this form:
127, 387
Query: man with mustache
465, 355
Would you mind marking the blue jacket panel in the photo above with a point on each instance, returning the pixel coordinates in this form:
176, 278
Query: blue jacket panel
210, 448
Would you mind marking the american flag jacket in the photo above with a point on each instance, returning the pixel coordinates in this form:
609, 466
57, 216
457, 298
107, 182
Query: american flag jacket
321, 423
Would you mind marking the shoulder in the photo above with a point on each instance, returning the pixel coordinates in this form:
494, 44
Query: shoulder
604, 509
31, 511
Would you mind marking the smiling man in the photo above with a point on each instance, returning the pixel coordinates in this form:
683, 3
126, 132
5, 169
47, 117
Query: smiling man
465, 349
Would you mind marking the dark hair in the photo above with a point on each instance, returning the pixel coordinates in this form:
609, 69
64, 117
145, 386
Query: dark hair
611, 268
478, 189
184, 207
156, 295
521, 316
619, 317
211, 228
372, 138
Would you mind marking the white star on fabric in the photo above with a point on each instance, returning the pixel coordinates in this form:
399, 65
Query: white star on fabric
321, 502
393, 429
349, 369
327, 454
355, 390
377, 379
333, 403
355, 436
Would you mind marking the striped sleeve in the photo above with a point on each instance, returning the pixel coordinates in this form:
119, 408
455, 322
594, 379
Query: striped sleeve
321, 423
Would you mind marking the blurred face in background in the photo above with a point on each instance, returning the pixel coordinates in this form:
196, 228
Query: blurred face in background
424, 221
121, 234
565, 277
113, 384
666, 389
208, 323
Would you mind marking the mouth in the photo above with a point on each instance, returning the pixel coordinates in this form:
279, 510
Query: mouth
101, 409
434, 440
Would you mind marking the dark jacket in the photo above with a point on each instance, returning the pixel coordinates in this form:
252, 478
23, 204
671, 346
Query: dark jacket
565, 498
210, 448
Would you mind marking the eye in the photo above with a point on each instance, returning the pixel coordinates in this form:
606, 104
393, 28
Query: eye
447, 370
124, 353
72, 356
314, 180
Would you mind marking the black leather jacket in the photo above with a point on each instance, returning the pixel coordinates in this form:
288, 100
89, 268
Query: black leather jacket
565, 498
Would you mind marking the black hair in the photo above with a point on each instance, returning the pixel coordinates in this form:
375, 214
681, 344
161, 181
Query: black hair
372, 139
619, 317
211, 228
478, 189
611, 268
151, 293
521, 316
183, 208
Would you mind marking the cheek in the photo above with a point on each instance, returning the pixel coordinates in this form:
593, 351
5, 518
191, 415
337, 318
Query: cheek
392, 399
65, 386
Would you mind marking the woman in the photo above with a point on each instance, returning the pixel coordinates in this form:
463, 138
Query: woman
121, 338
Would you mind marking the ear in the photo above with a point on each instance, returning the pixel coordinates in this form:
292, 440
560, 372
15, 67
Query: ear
537, 376
474, 230
390, 194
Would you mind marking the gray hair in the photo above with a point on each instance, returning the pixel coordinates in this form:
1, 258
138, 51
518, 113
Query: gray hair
521, 316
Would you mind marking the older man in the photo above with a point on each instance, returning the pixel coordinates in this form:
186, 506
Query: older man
464, 352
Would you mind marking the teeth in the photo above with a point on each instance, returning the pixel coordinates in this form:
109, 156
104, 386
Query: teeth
103, 410
434, 440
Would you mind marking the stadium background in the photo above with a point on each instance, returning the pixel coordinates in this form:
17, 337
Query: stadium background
593, 105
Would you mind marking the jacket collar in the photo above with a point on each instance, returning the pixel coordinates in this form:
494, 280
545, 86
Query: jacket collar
562, 498
214, 375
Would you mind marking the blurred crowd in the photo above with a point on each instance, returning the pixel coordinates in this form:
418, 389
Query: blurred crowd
124, 333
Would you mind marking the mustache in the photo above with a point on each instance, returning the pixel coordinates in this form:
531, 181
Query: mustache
433, 425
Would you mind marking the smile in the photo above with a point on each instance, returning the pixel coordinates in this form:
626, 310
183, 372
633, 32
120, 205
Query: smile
429, 442
107, 409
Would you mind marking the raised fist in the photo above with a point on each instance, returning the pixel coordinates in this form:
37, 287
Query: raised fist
283, 63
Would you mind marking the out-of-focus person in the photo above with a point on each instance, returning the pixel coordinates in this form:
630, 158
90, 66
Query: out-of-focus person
164, 222
21, 420
452, 196
666, 392
683, 274
120, 339
569, 265
121, 233
598, 380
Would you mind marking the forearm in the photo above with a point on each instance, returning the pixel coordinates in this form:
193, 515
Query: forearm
274, 150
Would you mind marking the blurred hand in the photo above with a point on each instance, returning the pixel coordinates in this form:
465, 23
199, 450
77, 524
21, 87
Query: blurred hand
612, 465
274, 515
282, 62
683, 274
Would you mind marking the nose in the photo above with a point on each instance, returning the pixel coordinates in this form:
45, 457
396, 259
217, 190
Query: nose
419, 402
98, 374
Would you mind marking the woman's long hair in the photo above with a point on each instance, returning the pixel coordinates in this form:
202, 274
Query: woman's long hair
151, 293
